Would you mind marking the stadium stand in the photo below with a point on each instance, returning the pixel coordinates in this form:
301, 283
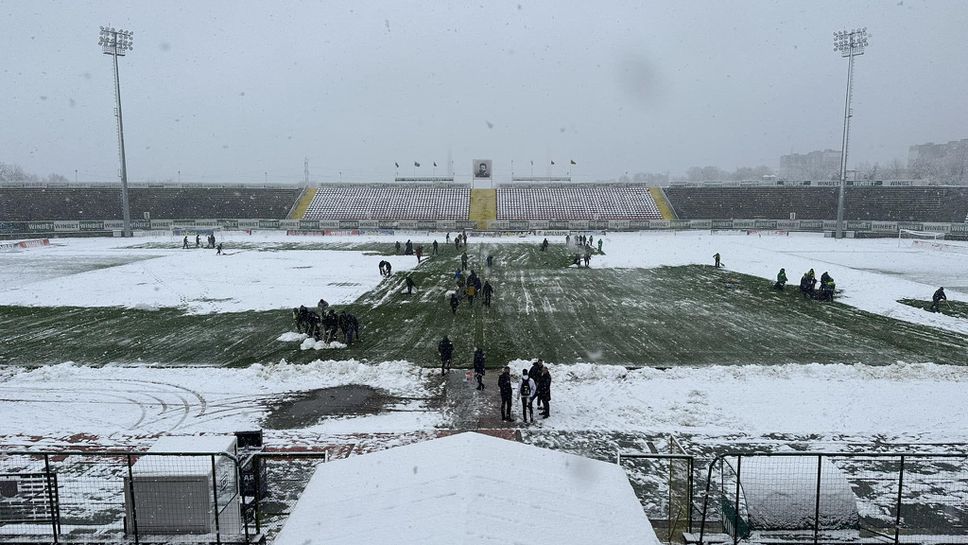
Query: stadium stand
937, 204
24, 203
583, 202
390, 203
66, 202
752, 202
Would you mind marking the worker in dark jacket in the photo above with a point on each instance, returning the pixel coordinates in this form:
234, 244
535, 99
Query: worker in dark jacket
299, 316
488, 291
827, 287
937, 298
544, 392
807, 283
504, 384
446, 350
535, 374
479, 367
330, 326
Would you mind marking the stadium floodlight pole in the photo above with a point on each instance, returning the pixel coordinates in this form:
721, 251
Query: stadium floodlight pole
849, 43
117, 42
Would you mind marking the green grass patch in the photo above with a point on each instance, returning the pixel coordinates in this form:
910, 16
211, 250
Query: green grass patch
957, 309
669, 316
42, 335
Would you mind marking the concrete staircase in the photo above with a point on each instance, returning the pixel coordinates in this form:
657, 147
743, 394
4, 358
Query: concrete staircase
662, 202
302, 204
483, 208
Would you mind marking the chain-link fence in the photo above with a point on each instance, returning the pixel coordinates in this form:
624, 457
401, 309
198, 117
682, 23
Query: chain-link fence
101, 497
106, 496
836, 498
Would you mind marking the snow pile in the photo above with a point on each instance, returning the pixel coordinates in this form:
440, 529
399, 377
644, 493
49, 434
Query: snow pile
753, 399
399, 378
292, 336
312, 344
96, 273
68, 399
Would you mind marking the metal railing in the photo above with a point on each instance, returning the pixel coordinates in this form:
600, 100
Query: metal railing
807, 496
111, 496
281, 476
674, 511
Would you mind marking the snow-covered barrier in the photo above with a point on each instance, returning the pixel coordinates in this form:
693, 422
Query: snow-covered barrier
24, 244
780, 493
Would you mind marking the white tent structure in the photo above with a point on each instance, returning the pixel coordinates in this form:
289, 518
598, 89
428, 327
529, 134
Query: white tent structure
468, 488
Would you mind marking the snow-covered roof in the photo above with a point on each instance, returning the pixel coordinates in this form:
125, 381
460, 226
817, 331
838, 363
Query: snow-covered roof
204, 444
185, 465
468, 488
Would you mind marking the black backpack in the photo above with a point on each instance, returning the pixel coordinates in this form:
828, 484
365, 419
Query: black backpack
525, 388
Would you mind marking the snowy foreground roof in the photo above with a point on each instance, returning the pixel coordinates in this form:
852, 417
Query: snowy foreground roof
468, 488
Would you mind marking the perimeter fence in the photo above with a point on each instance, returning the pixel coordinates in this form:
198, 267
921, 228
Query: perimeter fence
146, 497
804, 497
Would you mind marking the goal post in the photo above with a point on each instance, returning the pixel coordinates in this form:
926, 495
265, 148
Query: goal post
916, 236
919, 235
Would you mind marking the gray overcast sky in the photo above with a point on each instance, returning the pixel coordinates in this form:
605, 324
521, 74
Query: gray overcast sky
224, 91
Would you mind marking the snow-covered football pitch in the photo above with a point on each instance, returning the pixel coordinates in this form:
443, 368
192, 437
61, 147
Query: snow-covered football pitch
112, 342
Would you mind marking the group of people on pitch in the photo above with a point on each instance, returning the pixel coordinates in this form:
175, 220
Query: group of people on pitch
535, 383
808, 285
326, 325
470, 286
584, 244
210, 242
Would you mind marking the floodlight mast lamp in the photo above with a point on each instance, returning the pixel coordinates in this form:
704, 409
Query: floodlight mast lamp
849, 43
117, 42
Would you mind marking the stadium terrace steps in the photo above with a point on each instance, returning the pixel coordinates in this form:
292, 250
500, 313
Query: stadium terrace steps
372, 202
483, 207
938, 204
578, 202
65, 202
302, 204
662, 202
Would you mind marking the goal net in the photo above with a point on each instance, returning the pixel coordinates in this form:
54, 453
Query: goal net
920, 235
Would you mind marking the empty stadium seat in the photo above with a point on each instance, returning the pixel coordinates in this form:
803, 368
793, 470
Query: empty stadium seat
104, 203
389, 203
917, 203
587, 202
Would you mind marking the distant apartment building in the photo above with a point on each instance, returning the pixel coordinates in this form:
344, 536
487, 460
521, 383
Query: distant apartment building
816, 165
944, 163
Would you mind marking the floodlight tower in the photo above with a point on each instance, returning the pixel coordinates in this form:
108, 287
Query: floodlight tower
117, 42
849, 43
